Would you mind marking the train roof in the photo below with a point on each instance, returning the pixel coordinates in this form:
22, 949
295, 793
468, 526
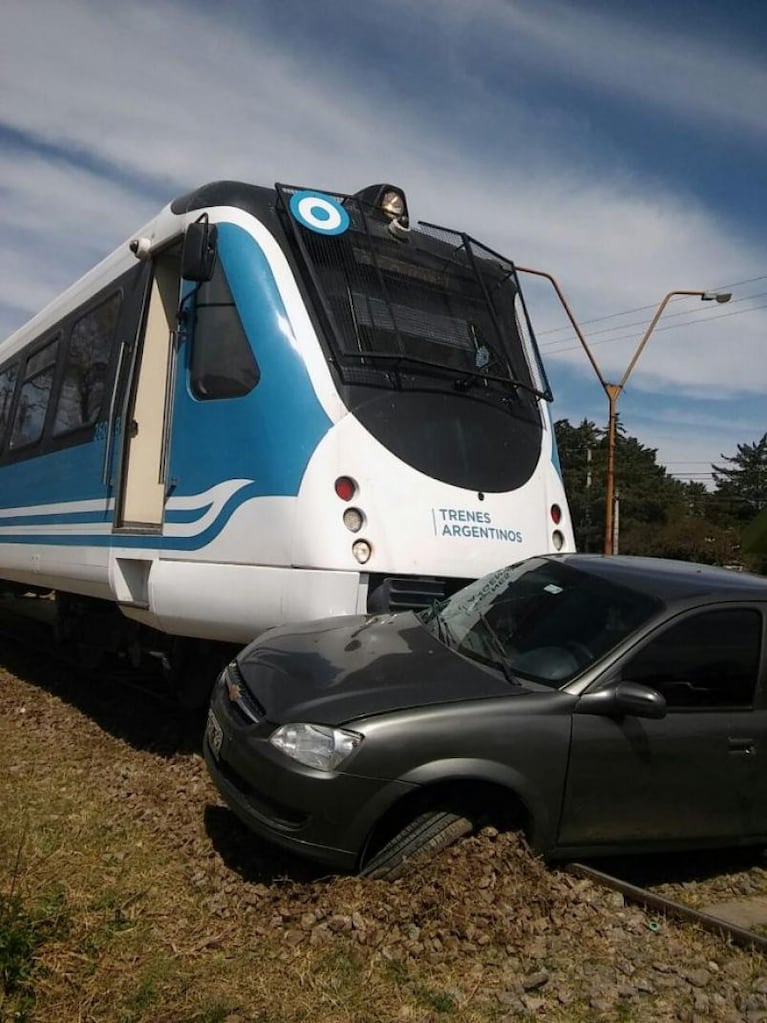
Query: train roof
257, 200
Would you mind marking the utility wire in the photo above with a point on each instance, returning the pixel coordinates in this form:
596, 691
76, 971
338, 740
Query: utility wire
644, 308
668, 316
549, 346
671, 326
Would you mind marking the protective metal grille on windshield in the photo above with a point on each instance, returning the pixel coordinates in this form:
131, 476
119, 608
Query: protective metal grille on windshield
435, 302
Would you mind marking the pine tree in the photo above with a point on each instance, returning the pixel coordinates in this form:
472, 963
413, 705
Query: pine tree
743, 482
647, 492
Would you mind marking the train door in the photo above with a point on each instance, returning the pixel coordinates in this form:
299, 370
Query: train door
142, 493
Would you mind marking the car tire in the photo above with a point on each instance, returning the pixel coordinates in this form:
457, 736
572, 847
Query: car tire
426, 834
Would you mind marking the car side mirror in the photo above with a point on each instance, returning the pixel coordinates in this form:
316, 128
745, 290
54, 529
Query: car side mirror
622, 699
198, 258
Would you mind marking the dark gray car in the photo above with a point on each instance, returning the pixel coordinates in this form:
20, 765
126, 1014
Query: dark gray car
602, 705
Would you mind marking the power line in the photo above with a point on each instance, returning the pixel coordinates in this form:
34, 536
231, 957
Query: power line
644, 308
623, 337
671, 326
669, 316
598, 319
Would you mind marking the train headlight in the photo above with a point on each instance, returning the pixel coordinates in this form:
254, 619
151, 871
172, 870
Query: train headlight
390, 201
393, 203
362, 550
387, 198
353, 519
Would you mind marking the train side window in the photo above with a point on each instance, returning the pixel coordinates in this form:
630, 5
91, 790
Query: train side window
33, 399
7, 387
222, 364
82, 387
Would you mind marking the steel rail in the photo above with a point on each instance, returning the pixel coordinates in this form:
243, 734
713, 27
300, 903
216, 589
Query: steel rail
651, 900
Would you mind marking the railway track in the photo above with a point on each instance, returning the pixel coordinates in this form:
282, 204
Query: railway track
673, 909
30, 622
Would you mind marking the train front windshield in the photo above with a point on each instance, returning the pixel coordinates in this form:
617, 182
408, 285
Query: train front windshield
430, 303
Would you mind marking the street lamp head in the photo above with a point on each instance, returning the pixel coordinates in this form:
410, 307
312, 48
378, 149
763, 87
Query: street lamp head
716, 296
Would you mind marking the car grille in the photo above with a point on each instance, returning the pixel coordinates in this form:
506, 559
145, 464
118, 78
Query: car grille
241, 701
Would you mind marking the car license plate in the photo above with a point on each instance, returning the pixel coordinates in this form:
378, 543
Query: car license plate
215, 734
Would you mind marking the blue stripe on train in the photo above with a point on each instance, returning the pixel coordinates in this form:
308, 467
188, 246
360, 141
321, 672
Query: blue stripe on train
149, 540
54, 518
73, 474
267, 436
270, 434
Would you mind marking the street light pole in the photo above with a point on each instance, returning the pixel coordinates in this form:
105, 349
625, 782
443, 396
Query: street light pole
614, 391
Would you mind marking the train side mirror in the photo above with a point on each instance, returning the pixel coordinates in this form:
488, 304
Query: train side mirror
198, 258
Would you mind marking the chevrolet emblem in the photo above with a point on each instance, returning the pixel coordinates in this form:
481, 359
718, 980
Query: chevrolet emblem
234, 691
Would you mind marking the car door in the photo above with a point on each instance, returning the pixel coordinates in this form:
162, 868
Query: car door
690, 776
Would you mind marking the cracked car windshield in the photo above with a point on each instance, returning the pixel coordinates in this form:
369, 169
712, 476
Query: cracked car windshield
540, 620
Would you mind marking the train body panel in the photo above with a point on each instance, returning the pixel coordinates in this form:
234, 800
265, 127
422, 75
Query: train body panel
411, 520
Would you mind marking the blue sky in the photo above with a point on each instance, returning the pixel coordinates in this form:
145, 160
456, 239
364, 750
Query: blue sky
620, 146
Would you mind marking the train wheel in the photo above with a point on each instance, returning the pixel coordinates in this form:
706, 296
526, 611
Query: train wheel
195, 666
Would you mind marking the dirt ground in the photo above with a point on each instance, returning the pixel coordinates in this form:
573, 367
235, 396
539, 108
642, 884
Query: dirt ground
129, 893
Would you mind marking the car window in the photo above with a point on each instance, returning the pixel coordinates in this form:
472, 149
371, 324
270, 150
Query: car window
709, 659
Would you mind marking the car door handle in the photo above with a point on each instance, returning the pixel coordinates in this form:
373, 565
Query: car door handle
742, 746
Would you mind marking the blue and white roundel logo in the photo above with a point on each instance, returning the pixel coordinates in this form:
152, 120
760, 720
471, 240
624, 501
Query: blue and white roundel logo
319, 212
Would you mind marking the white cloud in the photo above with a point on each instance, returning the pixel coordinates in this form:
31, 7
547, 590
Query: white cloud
181, 96
676, 71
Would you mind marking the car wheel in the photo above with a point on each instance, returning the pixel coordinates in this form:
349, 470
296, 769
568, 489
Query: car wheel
426, 834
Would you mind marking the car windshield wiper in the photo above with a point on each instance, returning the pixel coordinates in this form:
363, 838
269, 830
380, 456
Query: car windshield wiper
502, 659
501, 664
508, 672
443, 630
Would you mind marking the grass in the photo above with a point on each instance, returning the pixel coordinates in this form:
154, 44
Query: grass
99, 920
25, 928
121, 903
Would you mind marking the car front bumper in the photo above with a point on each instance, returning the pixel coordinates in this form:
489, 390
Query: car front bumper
324, 815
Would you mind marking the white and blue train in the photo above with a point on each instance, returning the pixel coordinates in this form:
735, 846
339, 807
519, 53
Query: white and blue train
274, 405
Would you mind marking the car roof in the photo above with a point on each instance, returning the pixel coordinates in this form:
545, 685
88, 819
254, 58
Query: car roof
672, 581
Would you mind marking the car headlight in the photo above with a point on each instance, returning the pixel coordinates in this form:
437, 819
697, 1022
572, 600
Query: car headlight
316, 745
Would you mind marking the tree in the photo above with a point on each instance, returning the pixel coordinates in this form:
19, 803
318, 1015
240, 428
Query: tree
696, 499
646, 492
661, 516
582, 459
688, 538
742, 484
